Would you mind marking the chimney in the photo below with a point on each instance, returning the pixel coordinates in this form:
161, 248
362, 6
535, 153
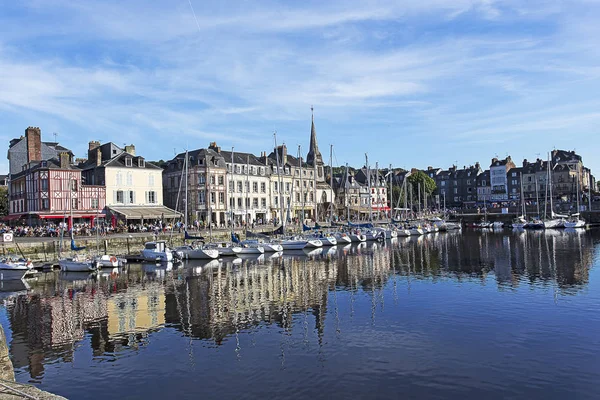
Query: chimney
494, 160
213, 146
34, 144
429, 168
130, 149
93, 144
477, 165
65, 160
98, 156
282, 150
525, 162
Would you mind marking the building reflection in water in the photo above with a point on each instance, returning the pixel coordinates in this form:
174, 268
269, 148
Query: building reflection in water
219, 299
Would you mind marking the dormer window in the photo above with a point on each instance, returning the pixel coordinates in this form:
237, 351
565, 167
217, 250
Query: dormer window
128, 162
200, 161
141, 162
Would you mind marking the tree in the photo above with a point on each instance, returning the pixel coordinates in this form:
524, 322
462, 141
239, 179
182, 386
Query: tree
425, 181
3, 200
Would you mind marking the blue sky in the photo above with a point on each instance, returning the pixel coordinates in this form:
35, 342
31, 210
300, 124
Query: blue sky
413, 83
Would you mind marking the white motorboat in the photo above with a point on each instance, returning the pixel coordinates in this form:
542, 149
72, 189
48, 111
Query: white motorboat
108, 261
497, 225
342, 237
11, 269
192, 252
157, 251
268, 247
77, 264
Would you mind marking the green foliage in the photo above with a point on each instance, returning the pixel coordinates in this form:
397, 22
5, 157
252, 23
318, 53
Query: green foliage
3, 200
425, 181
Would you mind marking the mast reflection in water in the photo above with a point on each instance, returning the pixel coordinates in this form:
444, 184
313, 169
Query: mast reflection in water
509, 314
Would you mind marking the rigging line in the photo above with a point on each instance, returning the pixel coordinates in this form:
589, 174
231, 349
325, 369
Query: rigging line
194, 14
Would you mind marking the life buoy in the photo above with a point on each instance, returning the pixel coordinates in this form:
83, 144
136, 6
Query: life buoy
113, 259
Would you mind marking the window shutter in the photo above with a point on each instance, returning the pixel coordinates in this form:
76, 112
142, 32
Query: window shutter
114, 197
146, 201
134, 202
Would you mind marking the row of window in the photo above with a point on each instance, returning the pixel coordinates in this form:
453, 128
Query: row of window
129, 179
252, 170
129, 197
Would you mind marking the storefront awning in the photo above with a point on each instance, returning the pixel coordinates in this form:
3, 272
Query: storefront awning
145, 212
75, 215
12, 217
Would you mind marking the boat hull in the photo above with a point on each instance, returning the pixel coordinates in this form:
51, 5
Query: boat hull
293, 244
76, 266
203, 254
251, 250
328, 241
12, 274
272, 247
358, 238
159, 256
553, 224
574, 224
229, 251
313, 244
343, 239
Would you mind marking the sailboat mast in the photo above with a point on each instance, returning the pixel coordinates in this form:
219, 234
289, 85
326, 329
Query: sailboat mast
185, 221
330, 183
391, 194
247, 199
301, 181
377, 190
369, 188
232, 187
523, 210
346, 194
207, 197
577, 177
280, 182
419, 198
550, 180
590, 191
404, 183
537, 197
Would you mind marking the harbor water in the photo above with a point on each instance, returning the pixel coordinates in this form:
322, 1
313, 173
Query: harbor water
471, 315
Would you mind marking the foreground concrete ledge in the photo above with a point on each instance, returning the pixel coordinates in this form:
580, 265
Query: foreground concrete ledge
28, 390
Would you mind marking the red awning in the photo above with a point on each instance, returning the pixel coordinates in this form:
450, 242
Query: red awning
12, 217
383, 208
56, 216
50, 216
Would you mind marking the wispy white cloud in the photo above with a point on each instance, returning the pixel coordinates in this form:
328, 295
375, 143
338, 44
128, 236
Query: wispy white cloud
450, 71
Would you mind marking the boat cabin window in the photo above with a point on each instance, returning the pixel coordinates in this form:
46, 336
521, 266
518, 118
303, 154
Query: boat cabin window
150, 246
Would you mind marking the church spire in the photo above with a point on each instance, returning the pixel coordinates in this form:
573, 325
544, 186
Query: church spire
313, 154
